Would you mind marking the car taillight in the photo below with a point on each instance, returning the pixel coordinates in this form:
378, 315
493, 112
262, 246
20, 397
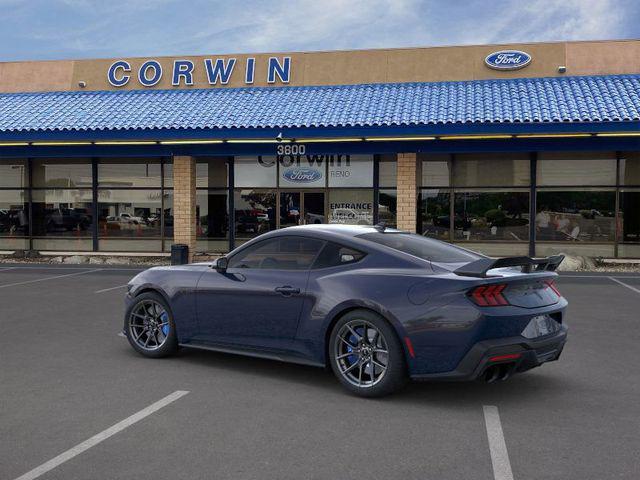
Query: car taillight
489, 295
552, 285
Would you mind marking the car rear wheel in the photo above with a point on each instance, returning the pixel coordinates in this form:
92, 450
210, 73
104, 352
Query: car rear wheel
366, 355
149, 326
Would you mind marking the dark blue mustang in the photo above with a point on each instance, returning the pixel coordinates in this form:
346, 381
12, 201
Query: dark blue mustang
377, 305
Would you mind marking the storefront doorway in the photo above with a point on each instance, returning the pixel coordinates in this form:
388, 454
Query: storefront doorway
302, 207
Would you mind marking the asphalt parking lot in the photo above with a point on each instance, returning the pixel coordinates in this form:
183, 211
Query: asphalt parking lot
70, 385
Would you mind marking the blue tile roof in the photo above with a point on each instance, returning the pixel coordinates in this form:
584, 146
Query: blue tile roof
531, 100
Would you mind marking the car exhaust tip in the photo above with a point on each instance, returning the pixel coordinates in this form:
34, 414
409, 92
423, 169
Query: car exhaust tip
499, 373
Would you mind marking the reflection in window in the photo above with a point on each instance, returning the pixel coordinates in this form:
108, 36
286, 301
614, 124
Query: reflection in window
578, 216
350, 171
387, 171
630, 168
129, 172
630, 216
129, 213
435, 170
484, 170
352, 207
13, 174
433, 214
14, 220
255, 172
62, 213
488, 216
255, 212
576, 168
62, 173
388, 207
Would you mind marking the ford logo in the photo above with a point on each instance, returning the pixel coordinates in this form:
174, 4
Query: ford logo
302, 175
507, 60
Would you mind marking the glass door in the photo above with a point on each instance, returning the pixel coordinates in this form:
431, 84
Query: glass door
314, 208
301, 208
290, 208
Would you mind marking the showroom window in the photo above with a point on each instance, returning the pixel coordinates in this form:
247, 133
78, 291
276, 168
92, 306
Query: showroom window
62, 216
576, 203
629, 205
476, 199
285, 190
387, 193
14, 205
130, 204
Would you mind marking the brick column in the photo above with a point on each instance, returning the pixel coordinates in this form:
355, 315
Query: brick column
184, 202
407, 191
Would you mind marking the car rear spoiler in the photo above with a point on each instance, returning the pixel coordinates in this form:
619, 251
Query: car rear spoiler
479, 268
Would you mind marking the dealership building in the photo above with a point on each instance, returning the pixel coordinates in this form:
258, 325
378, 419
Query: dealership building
526, 149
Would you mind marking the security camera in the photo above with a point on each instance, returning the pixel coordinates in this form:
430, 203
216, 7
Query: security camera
82, 84
279, 137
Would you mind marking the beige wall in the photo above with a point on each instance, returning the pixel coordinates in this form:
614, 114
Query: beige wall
345, 67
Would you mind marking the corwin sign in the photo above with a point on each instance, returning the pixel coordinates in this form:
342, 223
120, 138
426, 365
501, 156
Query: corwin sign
507, 60
218, 71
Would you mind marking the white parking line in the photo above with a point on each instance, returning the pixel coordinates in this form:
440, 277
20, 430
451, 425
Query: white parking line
7, 268
96, 439
109, 289
497, 445
48, 278
597, 276
624, 284
48, 266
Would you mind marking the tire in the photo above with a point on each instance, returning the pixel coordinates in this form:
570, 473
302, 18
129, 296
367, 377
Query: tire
357, 363
154, 336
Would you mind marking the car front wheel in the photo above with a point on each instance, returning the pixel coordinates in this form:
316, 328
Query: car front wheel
149, 326
366, 355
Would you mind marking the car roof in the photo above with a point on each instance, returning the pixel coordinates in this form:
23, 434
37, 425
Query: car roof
344, 230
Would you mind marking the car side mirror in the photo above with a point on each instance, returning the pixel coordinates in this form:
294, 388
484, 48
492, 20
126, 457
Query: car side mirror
221, 264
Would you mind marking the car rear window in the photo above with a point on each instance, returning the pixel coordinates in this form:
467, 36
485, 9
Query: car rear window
334, 254
422, 247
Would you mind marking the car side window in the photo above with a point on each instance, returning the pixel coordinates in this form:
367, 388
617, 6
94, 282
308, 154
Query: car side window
334, 254
282, 253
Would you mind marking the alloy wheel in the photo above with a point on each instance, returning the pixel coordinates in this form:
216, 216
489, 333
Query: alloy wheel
361, 353
149, 325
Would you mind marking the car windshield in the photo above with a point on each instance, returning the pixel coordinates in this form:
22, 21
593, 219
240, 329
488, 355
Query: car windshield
422, 247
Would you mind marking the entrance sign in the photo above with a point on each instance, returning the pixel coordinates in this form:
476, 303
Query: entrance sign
507, 60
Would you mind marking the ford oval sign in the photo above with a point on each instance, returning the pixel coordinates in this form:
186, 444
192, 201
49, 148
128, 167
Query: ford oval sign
508, 60
302, 175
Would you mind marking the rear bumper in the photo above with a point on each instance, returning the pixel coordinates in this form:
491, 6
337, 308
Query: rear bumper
481, 358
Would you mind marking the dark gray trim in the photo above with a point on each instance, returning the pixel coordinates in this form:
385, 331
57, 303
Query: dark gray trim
533, 173
30, 197
231, 180
376, 188
94, 202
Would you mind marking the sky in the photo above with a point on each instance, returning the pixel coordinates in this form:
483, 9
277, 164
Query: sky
68, 29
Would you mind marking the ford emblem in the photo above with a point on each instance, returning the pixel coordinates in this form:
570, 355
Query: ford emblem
508, 60
302, 175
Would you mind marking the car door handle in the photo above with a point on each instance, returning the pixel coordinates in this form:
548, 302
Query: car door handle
287, 290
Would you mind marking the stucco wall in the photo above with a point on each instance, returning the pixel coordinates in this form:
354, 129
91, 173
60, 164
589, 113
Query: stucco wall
344, 67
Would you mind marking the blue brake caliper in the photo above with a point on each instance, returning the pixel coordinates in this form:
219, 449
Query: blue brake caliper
352, 358
165, 318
